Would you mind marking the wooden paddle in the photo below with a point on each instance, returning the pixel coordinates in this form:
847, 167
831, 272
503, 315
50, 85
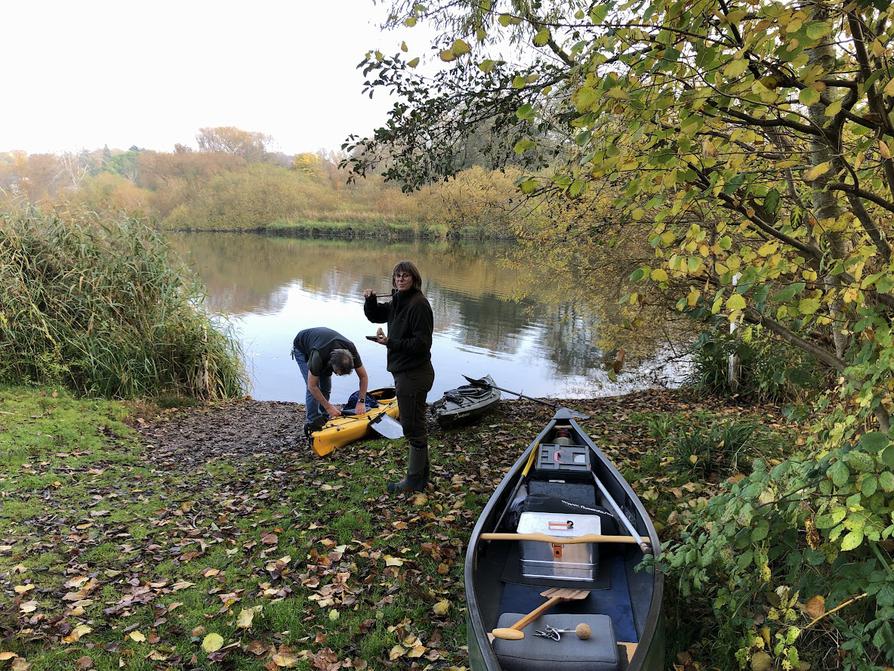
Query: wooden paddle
556, 595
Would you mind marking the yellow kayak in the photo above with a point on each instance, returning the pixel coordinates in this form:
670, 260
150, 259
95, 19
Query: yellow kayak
340, 431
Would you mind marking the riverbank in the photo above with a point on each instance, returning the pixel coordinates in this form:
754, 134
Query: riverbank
158, 538
361, 230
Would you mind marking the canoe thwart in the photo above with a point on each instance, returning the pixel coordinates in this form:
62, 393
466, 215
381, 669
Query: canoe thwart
565, 540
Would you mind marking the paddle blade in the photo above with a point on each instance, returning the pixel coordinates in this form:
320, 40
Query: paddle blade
508, 634
386, 426
476, 382
566, 593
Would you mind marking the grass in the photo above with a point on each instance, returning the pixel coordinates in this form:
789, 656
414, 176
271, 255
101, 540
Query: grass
152, 558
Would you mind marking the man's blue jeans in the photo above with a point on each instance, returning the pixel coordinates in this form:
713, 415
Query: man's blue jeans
312, 406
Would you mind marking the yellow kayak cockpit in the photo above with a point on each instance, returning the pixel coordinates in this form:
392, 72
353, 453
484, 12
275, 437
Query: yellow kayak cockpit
340, 431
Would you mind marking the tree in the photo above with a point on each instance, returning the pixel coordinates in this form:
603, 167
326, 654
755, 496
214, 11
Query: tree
227, 139
750, 143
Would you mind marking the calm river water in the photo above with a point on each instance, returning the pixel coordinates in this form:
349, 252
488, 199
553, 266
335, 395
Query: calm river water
492, 315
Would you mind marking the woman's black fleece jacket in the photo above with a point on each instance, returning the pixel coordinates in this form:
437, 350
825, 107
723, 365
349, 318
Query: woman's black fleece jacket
410, 325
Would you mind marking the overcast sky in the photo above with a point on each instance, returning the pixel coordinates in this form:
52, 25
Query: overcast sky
80, 74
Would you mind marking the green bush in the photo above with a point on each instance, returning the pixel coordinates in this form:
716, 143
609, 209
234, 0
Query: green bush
769, 370
97, 305
787, 560
700, 450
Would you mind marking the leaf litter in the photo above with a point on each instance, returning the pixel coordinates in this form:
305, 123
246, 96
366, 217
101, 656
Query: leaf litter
279, 556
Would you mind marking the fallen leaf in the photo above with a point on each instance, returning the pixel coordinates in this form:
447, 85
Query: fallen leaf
256, 648
212, 642
246, 616
23, 589
396, 653
417, 651
7, 655
137, 636
761, 661
28, 606
75, 634
393, 561
815, 606
441, 607
284, 660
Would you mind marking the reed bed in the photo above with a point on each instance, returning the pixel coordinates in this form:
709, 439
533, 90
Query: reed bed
98, 305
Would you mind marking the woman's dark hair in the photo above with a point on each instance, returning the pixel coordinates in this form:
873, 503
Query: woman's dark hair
407, 267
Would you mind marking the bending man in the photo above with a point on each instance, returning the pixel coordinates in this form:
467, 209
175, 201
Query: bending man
320, 352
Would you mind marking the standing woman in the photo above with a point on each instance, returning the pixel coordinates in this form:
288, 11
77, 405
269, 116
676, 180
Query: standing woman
410, 326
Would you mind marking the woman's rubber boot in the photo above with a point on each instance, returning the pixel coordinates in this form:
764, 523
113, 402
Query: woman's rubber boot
417, 474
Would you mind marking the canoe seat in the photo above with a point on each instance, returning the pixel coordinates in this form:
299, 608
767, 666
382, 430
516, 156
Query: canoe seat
533, 653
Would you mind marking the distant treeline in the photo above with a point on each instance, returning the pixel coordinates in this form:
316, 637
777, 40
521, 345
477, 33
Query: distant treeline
233, 183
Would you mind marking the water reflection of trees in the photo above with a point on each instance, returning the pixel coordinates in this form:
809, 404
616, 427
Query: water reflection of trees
483, 294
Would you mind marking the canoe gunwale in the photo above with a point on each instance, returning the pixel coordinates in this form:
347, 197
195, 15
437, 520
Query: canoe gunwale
651, 634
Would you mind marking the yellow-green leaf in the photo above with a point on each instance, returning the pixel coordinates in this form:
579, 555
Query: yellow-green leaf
460, 47
889, 89
414, 62
542, 37
658, 275
212, 642
852, 540
817, 171
735, 68
809, 96
735, 302
808, 306
584, 98
447, 55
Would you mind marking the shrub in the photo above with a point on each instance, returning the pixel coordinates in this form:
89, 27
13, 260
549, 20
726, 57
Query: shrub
768, 370
701, 450
98, 305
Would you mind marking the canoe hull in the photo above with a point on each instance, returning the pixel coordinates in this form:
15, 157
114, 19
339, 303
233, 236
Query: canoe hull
485, 560
340, 431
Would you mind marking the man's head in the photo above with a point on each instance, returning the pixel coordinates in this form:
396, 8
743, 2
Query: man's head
341, 361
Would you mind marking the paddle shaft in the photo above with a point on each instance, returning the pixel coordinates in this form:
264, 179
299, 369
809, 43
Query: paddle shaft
515, 633
570, 540
643, 544
530, 617
482, 383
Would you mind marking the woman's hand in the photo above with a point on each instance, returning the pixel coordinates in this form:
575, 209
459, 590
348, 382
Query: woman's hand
360, 409
369, 293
